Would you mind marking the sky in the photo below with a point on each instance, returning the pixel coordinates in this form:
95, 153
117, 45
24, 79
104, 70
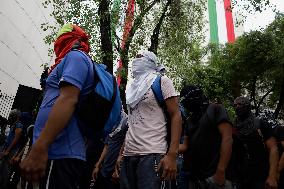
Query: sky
253, 21
261, 20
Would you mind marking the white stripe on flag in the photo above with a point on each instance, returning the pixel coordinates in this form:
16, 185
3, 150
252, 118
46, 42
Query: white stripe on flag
221, 20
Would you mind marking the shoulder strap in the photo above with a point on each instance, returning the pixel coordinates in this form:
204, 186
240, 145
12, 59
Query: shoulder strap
97, 78
157, 90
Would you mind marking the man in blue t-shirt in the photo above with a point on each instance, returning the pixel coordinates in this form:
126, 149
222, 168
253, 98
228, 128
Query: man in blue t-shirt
16, 130
57, 157
12, 146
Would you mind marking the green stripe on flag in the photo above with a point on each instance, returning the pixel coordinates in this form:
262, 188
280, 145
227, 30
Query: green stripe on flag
214, 36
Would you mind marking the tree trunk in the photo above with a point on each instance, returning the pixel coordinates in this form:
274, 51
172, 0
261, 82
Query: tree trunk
105, 30
156, 31
281, 101
253, 91
236, 88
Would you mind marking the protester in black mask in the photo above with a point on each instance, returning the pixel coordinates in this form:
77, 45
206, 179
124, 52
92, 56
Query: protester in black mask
207, 141
254, 165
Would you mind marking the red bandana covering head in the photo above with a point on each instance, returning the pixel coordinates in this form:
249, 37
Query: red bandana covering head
65, 42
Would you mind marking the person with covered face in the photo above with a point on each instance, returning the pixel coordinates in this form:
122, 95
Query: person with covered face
147, 159
15, 133
255, 155
12, 146
207, 142
58, 154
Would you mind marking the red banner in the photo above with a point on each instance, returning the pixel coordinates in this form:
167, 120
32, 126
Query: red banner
229, 21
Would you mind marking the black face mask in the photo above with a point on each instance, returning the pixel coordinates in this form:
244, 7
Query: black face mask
242, 111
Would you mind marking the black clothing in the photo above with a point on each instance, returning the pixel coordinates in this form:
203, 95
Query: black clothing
93, 151
250, 160
63, 173
279, 134
208, 184
203, 154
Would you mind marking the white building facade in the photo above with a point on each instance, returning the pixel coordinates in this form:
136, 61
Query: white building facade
22, 47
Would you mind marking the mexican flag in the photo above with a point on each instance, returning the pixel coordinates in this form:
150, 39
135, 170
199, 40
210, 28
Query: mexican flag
221, 21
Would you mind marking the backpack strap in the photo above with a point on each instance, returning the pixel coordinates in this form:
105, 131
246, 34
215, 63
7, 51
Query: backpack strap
157, 90
97, 79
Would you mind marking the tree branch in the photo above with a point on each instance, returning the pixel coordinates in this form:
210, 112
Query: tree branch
262, 99
105, 30
117, 47
281, 101
156, 31
136, 25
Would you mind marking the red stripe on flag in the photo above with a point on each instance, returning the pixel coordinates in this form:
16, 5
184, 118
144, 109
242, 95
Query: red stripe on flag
127, 27
229, 21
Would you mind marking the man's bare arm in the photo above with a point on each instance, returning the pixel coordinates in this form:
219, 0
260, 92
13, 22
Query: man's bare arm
281, 161
168, 163
225, 130
184, 146
60, 115
273, 162
34, 165
18, 133
176, 121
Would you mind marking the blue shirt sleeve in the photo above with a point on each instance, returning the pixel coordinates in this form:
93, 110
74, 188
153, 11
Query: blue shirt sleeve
75, 70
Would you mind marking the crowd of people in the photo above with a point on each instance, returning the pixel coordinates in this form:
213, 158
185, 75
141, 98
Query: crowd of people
162, 139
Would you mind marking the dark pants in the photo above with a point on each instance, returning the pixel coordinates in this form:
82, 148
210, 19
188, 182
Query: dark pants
104, 183
182, 176
63, 173
207, 184
93, 152
250, 184
14, 177
5, 171
253, 184
281, 180
139, 172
